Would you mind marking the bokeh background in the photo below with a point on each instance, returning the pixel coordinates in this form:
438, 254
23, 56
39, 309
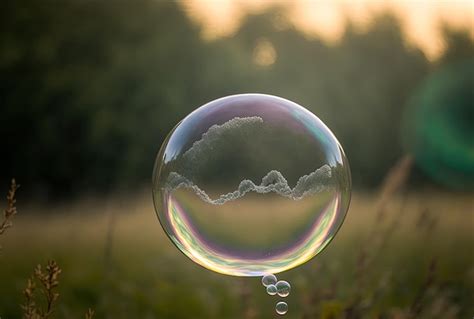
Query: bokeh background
89, 90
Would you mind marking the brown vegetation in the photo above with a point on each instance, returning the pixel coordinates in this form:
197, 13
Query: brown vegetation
10, 211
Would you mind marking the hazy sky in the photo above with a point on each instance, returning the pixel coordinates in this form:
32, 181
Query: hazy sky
325, 18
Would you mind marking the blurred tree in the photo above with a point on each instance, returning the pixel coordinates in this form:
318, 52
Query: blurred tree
358, 87
377, 72
459, 46
89, 89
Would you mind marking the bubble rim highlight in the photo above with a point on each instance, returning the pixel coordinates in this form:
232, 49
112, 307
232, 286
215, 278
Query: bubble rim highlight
188, 238
343, 200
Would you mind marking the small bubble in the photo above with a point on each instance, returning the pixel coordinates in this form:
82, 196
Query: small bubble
272, 290
283, 288
281, 308
269, 279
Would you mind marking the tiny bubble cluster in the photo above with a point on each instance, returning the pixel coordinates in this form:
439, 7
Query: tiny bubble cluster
281, 308
281, 288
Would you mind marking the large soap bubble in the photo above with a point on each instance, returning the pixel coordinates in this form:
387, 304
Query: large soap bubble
251, 184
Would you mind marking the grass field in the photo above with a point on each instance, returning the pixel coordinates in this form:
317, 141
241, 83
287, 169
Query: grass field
411, 258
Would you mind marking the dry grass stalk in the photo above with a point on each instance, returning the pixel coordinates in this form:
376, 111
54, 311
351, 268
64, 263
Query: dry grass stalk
248, 310
89, 314
426, 222
10, 211
48, 281
417, 305
358, 304
46, 278
394, 181
29, 308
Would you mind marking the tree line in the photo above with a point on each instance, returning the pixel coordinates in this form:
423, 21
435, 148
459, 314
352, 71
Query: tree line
89, 89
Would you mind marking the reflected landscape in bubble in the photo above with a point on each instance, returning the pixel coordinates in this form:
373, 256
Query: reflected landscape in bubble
251, 184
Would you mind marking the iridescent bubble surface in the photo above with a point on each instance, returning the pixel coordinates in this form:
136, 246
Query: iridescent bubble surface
251, 184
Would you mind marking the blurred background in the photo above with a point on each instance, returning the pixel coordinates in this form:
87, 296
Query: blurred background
89, 90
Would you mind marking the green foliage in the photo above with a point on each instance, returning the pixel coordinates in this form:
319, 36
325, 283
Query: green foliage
89, 89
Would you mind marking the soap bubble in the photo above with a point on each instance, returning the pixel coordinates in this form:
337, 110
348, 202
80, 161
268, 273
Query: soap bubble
272, 290
251, 184
283, 288
269, 279
281, 308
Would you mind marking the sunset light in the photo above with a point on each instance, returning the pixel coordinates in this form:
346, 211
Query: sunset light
421, 20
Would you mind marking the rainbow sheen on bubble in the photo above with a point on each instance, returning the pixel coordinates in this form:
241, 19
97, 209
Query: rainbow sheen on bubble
250, 185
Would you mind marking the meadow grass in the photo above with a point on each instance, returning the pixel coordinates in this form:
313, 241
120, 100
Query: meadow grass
413, 260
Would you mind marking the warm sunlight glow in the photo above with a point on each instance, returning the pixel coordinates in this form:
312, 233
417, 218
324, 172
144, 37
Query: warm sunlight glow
326, 18
264, 53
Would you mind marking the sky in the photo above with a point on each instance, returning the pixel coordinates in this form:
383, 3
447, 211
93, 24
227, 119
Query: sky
326, 19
